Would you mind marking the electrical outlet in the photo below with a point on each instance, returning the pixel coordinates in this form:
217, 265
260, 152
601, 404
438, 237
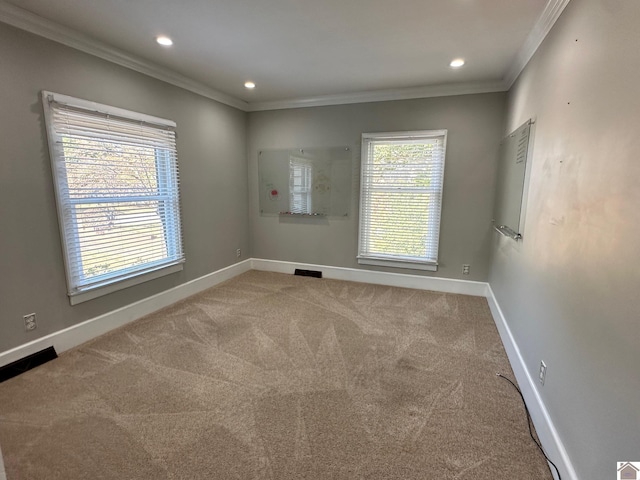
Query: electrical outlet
30, 322
465, 269
542, 373
238, 253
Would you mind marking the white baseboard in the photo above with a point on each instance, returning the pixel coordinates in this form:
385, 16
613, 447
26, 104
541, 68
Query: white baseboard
446, 285
547, 433
89, 329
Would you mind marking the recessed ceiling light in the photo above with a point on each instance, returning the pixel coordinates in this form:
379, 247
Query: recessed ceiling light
457, 63
250, 85
164, 41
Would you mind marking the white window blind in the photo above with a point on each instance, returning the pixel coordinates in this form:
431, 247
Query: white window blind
116, 182
401, 198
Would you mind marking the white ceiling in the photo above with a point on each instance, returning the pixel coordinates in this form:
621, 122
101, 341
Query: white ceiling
309, 49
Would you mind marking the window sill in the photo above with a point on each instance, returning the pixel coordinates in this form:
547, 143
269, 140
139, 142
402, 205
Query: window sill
409, 264
99, 291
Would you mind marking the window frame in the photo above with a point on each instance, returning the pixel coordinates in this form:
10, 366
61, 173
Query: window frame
393, 260
167, 181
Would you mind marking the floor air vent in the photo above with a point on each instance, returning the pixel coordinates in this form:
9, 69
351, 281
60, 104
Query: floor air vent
27, 363
308, 273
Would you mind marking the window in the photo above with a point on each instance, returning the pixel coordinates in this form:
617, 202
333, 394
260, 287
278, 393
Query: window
116, 183
401, 198
300, 179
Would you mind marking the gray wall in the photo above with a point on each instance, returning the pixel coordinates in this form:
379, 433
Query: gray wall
474, 123
570, 290
213, 171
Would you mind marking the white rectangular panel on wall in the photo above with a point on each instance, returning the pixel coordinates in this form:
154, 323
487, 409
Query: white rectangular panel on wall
510, 185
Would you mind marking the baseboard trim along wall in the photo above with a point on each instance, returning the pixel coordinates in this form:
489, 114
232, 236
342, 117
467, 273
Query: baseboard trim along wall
85, 331
445, 285
89, 329
547, 433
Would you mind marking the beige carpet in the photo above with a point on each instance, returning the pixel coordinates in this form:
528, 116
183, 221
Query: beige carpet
271, 376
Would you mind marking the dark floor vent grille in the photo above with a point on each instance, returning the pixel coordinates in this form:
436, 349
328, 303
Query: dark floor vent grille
27, 363
308, 273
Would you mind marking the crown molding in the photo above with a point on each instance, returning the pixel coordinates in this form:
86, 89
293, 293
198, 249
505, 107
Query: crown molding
30, 22
382, 95
535, 38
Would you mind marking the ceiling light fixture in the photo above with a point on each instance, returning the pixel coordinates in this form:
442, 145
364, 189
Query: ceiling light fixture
250, 85
164, 41
457, 63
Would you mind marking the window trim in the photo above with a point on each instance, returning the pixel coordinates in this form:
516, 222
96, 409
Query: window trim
397, 261
82, 294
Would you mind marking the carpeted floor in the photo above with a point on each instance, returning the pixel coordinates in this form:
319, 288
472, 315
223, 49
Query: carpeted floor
271, 376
